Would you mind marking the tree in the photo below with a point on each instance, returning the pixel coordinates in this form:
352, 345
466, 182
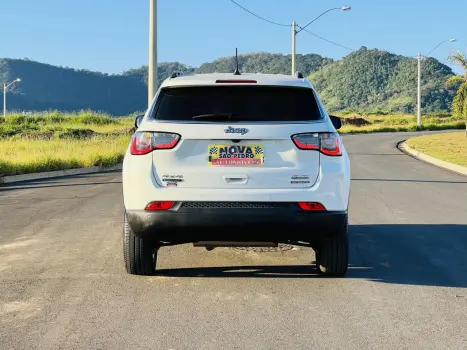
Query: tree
459, 103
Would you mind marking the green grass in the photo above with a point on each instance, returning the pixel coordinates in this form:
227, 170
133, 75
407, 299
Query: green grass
34, 155
400, 123
44, 123
450, 147
56, 141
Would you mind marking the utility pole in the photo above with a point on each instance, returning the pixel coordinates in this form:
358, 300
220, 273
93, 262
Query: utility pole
152, 66
294, 41
419, 91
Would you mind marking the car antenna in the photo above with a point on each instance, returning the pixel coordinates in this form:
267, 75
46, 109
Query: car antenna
237, 72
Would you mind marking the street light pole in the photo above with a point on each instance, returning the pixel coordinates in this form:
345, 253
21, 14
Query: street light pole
5, 89
295, 32
419, 91
4, 100
152, 66
419, 81
294, 41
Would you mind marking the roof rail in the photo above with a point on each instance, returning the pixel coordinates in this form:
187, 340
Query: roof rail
175, 75
299, 75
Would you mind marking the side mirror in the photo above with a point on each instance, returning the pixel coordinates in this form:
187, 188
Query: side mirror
336, 121
138, 121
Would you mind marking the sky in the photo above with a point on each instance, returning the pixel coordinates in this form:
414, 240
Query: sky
111, 36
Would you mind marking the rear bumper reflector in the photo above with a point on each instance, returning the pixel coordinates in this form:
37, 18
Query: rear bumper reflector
312, 206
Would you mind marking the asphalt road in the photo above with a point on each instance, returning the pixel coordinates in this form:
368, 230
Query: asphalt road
63, 284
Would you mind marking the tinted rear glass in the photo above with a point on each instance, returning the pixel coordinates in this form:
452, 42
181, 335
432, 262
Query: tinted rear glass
247, 103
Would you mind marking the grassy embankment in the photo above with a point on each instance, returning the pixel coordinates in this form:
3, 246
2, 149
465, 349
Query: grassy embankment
450, 147
46, 142
354, 123
56, 141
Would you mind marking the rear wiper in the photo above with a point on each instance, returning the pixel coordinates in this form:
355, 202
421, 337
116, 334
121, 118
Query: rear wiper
217, 117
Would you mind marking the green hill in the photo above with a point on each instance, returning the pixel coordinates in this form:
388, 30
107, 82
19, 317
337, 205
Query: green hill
375, 80
253, 63
44, 86
363, 80
164, 70
267, 63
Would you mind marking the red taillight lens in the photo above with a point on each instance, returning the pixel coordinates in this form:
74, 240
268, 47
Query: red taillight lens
306, 141
163, 140
159, 205
330, 144
141, 143
312, 206
144, 142
327, 143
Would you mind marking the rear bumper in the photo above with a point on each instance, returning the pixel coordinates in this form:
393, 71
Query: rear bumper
231, 224
332, 188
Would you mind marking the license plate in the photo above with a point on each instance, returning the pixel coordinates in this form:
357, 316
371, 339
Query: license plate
236, 155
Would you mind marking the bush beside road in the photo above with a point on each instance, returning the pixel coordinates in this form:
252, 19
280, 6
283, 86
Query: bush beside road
50, 141
449, 147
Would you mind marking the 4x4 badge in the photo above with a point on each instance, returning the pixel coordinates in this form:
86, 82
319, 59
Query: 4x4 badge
231, 130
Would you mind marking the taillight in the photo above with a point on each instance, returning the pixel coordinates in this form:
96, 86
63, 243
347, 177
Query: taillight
159, 205
144, 142
306, 141
312, 206
330, 144
327, 143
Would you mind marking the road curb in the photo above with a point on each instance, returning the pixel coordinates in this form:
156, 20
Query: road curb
57, 173
432, 160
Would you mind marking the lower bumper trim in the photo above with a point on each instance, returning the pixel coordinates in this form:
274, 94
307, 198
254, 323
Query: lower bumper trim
246, 225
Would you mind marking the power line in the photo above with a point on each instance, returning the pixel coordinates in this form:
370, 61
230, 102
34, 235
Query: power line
329, 41
262, 18
321, 15
288, 25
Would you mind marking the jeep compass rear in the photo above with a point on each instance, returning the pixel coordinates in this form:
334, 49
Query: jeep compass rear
232, 160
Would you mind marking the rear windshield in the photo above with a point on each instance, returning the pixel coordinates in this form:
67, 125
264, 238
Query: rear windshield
247, 103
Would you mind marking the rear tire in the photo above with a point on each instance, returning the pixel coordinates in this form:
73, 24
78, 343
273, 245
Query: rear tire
332, 256
139, 254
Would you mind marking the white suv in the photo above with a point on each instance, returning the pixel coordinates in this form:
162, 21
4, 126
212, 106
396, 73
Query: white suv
236, 160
